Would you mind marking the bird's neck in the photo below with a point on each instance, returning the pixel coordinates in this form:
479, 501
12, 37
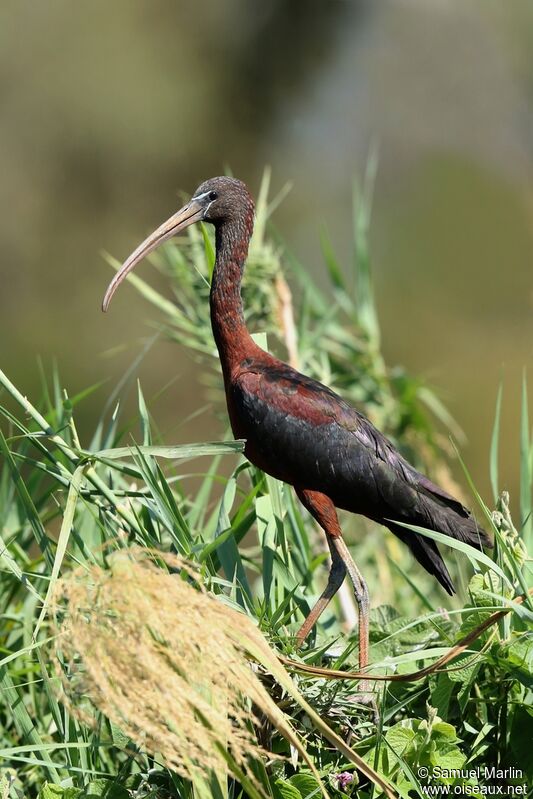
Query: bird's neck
232, 338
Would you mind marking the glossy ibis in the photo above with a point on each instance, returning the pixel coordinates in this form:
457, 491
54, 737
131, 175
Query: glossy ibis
300, 431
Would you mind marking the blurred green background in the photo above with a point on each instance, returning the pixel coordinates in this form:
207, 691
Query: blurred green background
110, 110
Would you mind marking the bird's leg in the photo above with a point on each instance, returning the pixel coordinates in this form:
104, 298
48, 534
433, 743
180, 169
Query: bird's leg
323, 510
361, 597
336, 576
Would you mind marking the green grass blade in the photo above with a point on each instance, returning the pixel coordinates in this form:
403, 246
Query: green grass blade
22, 720
198, 511
27, 503
62, 541
178, 452
36, 416
27, 649
525, 472
228, 552
420, 594
13, 567
330, 259
472, 554
209, 250
366, 307
494, 446
261, 211
51, 693
144, 417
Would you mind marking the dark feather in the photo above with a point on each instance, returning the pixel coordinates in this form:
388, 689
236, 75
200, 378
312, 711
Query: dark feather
303, 433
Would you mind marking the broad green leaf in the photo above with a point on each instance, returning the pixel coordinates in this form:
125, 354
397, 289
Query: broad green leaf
307, 785
52, 791
105, 789
286, 790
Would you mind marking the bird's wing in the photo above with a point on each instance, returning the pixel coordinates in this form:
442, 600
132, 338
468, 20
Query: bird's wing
305, 421
303, 433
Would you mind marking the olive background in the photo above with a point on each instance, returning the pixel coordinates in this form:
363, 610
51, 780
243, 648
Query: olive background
110, 110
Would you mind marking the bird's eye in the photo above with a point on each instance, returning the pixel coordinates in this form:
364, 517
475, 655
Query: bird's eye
212, 195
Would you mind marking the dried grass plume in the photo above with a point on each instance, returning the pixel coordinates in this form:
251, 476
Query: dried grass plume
164, 660
170, 664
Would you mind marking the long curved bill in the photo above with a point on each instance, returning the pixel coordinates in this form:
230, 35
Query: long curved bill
188, 215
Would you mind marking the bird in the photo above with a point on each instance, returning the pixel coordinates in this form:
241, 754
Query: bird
299, 430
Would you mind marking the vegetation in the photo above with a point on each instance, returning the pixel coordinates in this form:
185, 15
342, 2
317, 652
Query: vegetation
67, 504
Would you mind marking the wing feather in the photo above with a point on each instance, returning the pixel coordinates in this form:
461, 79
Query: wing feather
300, 414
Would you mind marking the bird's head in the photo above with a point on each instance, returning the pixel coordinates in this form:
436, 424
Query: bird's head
217, 200
223, 200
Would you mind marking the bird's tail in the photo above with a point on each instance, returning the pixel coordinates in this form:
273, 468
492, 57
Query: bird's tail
436, 510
